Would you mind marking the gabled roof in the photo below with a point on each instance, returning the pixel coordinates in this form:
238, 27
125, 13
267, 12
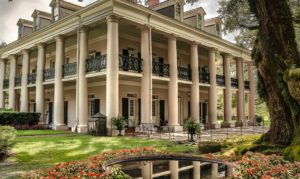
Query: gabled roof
25, 22
66, 5
212, 21
42, 13
193, 12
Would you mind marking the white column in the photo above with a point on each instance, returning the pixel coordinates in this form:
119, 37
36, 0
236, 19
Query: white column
2, 76
24, 89
146, 88
195, 92
12, 75
82, 87
39, 98
251, 93
214, 170
173, 84
240, 92
212, 108
58, 85
227, 91
174, 168
196, 170
147, 170
112, 71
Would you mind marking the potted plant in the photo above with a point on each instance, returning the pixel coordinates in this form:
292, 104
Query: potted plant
192, 127
120, 123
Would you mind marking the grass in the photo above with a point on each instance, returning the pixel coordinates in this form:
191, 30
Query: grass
44, 148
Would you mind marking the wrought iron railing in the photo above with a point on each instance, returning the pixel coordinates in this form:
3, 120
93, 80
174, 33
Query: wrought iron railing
204, 77
18, 80
234, 83
127, 63
49, 74
69, 69
247, 85
6, 83
220, 80
96, 64
31, 78
185, 73
160, 69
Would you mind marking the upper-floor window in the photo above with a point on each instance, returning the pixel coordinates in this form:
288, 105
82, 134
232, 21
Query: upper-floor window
55, 13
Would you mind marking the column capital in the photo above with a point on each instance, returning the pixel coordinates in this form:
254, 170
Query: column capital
41, 45
83, 29
171, 36
212, 49
25, 52
226, 55
143, 27
112, 18
12, 57
194, 43
59, 38
239, 59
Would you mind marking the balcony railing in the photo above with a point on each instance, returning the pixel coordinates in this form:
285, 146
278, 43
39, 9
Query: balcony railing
69, 69
160, 69
18, 80
5, 83
49, 74
247, 85
185, 73
96, 64
234, 83
127, 63
220, 80
204, 77
31, 78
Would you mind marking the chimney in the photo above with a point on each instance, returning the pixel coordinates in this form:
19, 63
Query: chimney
153, 2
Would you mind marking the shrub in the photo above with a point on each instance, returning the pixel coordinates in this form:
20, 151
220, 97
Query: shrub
192, 127
120, 123
209, 147
259, 119
7, 138
11, 118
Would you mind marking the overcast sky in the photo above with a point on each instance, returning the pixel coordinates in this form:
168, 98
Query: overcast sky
10, 12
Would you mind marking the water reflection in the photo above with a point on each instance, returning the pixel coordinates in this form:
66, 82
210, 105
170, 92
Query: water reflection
174, 169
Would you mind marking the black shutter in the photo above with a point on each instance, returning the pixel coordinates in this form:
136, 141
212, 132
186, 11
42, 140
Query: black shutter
125, 52
50, 113
162, 112
125, 107
189, 109
139, 55
140, 110
96, 106
204, 109
34, 107
200, 119
66, 112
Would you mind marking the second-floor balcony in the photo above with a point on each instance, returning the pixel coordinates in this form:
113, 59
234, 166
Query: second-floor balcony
220, 80
160, 69
31, 78
6, 83
247, 85
18, 80
128, 63
204, 77
49, 74
96, 64
234, 83
69, 69
185, 73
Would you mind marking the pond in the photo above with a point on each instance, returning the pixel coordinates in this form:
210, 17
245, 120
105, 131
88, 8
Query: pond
172, 167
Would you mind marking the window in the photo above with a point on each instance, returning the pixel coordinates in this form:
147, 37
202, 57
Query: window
55, 12
153, 108
131, 107
52, 63
67, 59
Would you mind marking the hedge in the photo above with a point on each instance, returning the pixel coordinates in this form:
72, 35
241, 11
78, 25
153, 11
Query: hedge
19, 118
7, 138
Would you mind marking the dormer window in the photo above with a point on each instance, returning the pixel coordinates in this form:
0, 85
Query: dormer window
200, 21
55, 13
178, 11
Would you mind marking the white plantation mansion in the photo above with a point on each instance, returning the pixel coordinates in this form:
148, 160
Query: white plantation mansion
153, 65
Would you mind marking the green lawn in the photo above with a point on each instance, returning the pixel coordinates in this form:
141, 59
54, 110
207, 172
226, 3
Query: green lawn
39, 149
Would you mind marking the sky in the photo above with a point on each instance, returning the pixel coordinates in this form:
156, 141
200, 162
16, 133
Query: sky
10, 12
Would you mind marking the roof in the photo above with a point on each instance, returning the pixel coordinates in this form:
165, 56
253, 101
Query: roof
25, 22
66, 5
37, 12
212, 21
193, 12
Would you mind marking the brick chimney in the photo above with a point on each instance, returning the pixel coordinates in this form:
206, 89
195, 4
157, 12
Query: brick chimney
153, 2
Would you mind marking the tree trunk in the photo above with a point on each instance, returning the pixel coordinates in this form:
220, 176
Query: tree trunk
274, 52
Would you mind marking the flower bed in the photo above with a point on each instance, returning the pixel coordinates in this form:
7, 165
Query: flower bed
91, 168
256, 165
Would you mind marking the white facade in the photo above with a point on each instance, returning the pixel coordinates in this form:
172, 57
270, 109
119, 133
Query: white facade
119, 58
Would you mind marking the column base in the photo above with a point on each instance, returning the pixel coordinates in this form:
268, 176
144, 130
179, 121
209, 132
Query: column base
60, 127
176, 128
82, 129
239, 124
226, 125
250, 123
210, 126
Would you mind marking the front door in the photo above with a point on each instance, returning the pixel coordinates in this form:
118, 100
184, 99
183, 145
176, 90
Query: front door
50, 111
66, 112
162, 112
131, 109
